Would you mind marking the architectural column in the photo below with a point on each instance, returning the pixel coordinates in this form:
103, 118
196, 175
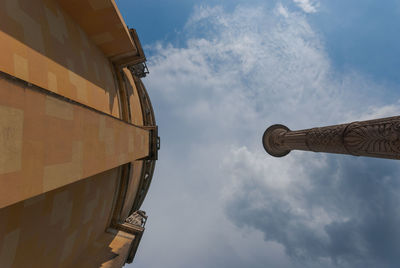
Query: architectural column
374, 138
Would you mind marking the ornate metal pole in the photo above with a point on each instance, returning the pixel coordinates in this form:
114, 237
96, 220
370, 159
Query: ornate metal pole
374, 138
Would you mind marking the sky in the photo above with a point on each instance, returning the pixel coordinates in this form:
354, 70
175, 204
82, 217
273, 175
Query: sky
221, 72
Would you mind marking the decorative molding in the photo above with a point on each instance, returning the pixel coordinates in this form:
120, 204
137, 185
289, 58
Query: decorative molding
138, 218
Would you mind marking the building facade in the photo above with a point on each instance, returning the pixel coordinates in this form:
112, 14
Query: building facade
78, 137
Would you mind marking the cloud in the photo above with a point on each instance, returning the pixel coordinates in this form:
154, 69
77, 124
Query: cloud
222, 196
282, 10
325, 211
308, 6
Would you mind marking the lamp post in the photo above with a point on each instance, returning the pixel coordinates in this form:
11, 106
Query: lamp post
373, 138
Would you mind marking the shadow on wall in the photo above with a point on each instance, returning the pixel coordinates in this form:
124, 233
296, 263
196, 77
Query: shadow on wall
68, 55
61, 225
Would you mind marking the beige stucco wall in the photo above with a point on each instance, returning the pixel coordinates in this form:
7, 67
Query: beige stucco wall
108, 251
42, 44
53, 229
46, 143
134, 100
136, 170
59, 159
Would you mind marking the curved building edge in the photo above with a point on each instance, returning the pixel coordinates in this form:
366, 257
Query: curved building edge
78, 135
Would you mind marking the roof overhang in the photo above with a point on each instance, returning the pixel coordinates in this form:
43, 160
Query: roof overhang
103, 23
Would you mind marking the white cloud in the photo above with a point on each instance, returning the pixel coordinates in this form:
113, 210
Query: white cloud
308, 6
238, 73
282, 10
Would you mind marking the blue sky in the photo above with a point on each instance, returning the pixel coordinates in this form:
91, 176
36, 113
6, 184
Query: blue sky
357, 34
223, 71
